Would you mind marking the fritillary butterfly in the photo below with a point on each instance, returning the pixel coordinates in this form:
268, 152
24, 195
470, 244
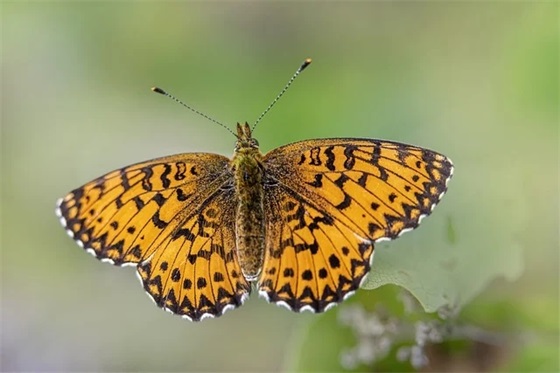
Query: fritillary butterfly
300, 221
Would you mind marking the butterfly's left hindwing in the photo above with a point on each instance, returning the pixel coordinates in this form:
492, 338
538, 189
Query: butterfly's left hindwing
195, 271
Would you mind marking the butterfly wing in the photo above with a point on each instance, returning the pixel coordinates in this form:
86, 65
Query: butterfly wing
173, 217
312, 260
336, 197
195, 272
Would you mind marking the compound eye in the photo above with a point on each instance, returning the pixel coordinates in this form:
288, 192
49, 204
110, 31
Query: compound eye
254, 142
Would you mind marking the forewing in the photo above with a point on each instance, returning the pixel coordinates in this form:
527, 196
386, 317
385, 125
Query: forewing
378, 188
334, 198
120, 217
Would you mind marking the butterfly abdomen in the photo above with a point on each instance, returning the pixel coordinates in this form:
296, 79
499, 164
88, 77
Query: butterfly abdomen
249, 222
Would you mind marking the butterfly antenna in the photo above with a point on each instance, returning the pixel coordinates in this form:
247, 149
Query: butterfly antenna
301, 68
162, 92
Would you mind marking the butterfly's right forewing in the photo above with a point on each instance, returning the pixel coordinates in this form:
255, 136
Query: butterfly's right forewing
380, 188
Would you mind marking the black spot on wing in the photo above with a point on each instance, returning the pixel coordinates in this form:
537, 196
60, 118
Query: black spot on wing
181, 170
345, 203
288, 272
330, 158
159, 199
181, 195
146, 180
334, 262
164, 176
350, 160
317, 182
137, 202
175, 275
201, 283
158, 222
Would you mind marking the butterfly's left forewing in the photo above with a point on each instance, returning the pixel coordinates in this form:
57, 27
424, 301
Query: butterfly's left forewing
120, 217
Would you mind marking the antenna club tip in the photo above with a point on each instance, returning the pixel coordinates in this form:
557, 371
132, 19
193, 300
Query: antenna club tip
306, 63
159, 90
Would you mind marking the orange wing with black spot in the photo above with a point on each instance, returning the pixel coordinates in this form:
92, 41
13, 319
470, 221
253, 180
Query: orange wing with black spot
312, 260
161, 215
327, 202
195, 272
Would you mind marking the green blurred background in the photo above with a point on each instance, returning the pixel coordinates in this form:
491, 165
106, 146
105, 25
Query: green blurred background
477, 81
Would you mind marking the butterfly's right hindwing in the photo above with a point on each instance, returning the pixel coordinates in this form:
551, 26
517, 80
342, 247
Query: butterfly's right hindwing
312, 261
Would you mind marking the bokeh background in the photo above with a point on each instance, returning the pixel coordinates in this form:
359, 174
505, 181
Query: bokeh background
477, 81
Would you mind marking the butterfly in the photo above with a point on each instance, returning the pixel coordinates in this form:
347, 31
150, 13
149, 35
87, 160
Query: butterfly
298, 223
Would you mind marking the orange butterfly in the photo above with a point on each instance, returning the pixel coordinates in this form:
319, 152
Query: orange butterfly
299, 221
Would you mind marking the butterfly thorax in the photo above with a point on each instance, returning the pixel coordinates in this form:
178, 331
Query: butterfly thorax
249, 225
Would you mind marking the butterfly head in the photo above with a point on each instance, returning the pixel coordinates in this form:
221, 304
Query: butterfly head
244, 138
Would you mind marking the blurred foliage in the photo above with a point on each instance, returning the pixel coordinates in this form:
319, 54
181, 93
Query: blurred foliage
485, 335
477, 81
